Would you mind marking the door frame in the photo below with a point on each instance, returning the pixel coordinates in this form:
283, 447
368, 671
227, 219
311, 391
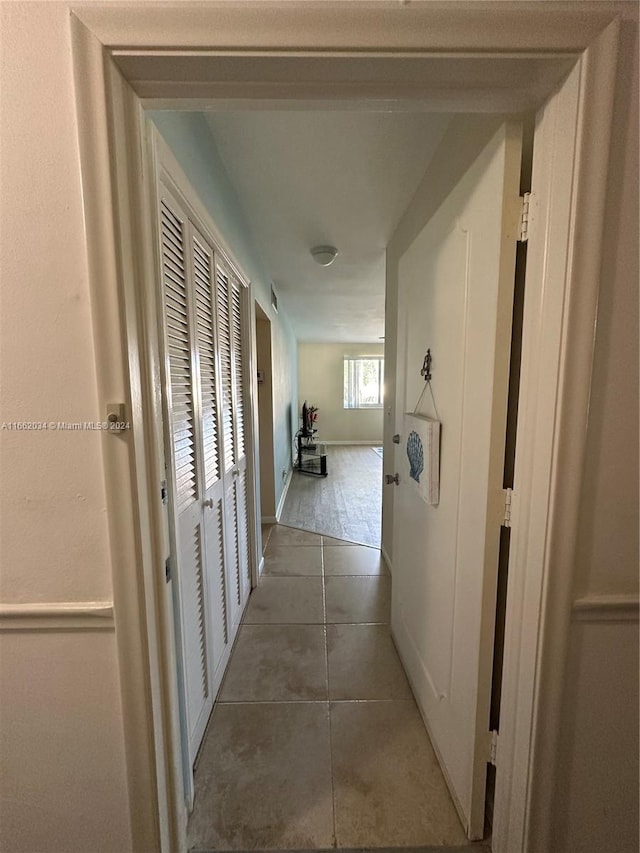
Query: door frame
557, 360
265, 419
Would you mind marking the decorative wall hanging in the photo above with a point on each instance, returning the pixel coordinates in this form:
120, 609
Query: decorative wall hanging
423, 443
423, 456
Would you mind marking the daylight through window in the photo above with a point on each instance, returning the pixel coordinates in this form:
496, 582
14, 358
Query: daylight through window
363, 383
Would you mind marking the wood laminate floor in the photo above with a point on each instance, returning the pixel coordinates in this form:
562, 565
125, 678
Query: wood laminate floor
347, 504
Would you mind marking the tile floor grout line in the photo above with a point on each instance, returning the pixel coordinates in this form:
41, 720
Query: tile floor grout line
326, 664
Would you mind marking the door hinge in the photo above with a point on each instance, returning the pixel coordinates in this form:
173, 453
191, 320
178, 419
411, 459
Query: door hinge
523, 228
164, 495
493, 748
167, 569
508, 497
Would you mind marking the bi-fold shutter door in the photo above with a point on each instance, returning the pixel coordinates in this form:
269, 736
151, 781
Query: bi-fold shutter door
203, 266
231, 347
203, 386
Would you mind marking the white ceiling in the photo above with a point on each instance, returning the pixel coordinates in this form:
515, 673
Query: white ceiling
337, 178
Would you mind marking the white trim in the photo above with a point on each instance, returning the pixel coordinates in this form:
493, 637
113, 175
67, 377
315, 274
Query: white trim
133, 550
554, 155
606, 608
250, 28
252, 446
283, 496
562, 281
260, 566
387, 559
57, 616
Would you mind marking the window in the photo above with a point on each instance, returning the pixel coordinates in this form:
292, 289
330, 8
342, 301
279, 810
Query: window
363, 382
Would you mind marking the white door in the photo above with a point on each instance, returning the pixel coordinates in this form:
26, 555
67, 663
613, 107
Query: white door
455, 298
203, 334
202, 256
232, 326
183, 412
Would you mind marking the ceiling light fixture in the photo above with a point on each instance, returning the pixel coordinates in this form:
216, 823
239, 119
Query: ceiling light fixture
324, 255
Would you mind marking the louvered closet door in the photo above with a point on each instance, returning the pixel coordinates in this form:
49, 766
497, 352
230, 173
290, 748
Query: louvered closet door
238, 294
190, 543
231, 334
202, 257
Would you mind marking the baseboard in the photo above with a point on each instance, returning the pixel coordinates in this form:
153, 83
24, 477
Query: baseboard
363, 443
472, 847
268, 519
283, 496
387, 559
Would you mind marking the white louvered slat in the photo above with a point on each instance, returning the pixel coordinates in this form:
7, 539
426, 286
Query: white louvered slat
190, 576
243, 524
237, 548
238, 367
202, 616
224, 347
204, 307
234, 610
217, 586
222, 590
179, 354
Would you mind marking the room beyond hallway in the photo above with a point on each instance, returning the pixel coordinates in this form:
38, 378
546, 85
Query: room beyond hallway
347, 504
316, 740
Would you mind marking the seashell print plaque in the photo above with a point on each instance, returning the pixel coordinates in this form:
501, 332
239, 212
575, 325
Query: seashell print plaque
416, 455
423, 456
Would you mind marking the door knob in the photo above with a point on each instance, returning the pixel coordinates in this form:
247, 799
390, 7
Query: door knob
392, 478
208, 502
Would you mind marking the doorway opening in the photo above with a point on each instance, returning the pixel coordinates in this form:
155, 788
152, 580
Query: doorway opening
539, 328
322, 589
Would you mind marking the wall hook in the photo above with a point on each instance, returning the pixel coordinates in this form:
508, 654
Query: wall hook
426, 367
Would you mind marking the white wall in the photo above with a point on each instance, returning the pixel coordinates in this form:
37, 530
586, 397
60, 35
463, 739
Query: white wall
321, 383
63, 782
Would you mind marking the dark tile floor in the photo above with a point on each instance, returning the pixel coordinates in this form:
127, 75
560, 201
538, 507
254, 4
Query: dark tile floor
316, 741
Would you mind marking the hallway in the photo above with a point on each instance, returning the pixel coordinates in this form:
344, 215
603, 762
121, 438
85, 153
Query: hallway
316, 741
